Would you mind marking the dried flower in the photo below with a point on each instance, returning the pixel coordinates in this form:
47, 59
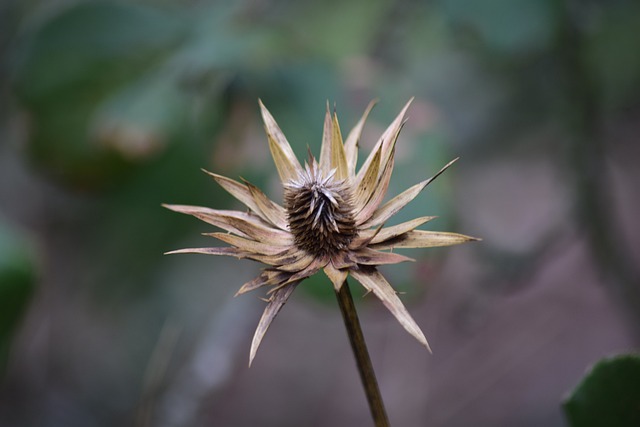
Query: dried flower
332, 220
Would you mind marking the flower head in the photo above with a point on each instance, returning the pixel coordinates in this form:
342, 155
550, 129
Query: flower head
332, 220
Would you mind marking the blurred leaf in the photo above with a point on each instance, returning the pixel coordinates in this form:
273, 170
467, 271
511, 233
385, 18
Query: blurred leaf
509, 26
339, 29
608, 396
173, 176
613, 54
88, 45
17, 283
69, 66
138, 120
220, 40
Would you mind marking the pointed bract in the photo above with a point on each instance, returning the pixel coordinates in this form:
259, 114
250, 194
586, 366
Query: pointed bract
286, 162
353, 139
276, 302
267, 277
424, 239
374, 282
394, 205
237, 190
368, 256
332, 155
387, 139
366, 186
271, 211
249, 245
336, 276
396, 230
378, 193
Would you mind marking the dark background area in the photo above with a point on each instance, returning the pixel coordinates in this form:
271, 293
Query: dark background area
109, 109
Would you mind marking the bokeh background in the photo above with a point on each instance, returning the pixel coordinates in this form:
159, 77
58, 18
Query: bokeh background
109, 109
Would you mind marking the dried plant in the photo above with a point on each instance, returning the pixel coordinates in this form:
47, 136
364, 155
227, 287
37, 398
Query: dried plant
332, 220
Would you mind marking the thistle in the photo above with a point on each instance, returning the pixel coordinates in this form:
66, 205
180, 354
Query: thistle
332, 220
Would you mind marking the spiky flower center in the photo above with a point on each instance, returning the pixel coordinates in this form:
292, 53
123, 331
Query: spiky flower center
320, 213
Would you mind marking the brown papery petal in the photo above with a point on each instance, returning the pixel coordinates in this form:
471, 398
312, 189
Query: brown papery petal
249, 245
316, 265
276, 302
396, 230
325, 148
374, 282
303, 261
257, 231
210, 251
213, 216
332, 155
286, 259
336, 276
366, 186
286, 162
237, 190
338, 156
267, 277
343, 260
286, 169
394, 205
274, 213
367, 256
351, 143
386, 141
378, 193
424, 239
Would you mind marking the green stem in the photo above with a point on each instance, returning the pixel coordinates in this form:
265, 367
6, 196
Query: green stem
367, 375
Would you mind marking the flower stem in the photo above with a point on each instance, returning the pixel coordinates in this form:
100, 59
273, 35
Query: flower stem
359, 347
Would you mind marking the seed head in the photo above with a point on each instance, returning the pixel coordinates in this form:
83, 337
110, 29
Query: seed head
320, 212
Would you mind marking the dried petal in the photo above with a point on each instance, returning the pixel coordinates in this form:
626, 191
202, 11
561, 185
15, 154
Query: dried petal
287, 260
386, 141
375, 282
273, 212
366, 186
393, 231
364, 238
332, 155
343, 260
351, 143
325, 148
338, 155
367, 256
249, 245
276, 302
424, 239
336, 276
286, 162
210, 216
237, 190
254, 199
394, 205
267, 277
303, 261
210, 251
378, 194
316, 265
256, 230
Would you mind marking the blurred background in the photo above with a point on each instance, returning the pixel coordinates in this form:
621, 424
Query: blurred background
111, 108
